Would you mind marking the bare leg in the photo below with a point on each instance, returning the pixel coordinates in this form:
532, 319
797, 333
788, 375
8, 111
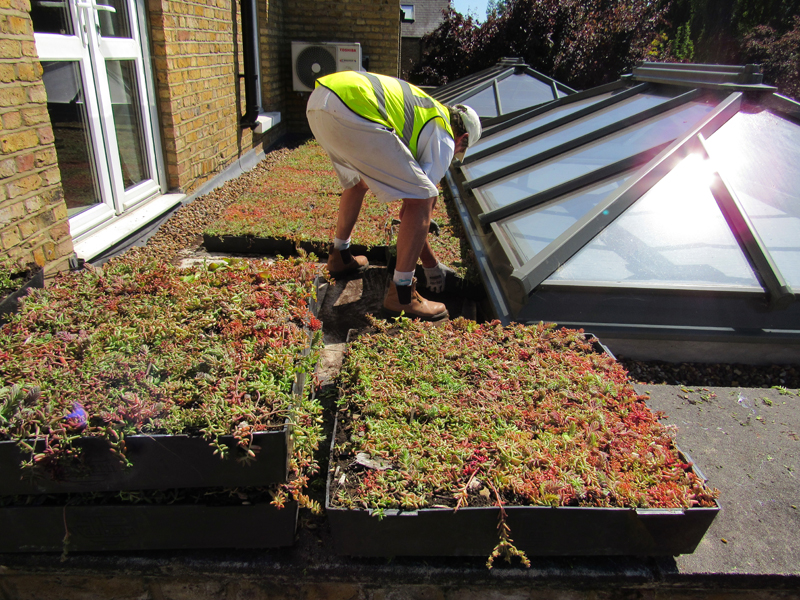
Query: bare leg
349, 209
413, 233
427, 256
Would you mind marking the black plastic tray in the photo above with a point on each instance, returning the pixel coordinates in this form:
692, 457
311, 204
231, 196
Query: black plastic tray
536, 530
159, 462
146, 527
9, 304
247, 244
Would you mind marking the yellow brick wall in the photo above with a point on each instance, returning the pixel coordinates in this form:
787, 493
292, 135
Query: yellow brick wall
197, 55
375, 24
33, 216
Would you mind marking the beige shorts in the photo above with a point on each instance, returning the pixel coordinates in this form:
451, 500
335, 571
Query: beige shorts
362, 149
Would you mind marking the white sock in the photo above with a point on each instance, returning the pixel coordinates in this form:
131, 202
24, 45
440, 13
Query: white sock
341, 244
403, 277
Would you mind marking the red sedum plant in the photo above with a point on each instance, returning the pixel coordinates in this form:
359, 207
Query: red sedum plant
480, 414
143, 348
299, 202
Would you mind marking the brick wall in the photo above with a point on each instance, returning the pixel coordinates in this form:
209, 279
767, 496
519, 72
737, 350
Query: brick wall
375, 24
197, 52
33, 225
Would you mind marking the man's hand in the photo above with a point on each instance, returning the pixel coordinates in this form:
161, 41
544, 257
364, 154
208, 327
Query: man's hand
436, 278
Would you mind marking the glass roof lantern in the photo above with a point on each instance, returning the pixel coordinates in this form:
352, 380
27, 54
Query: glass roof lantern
508, 87
663, 206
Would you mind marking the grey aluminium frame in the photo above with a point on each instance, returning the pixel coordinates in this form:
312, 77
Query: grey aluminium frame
780, 292
584, 139
592, 108
525, 278
492, 125
637, 160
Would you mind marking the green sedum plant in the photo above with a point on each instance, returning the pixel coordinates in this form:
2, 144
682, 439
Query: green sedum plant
144, 348
11, 278
467, 414
299, 202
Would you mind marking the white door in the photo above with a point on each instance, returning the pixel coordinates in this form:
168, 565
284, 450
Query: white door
97, 96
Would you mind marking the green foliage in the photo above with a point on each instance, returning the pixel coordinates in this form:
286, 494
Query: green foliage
144, 348
300, 202
581, 43
682, 46
11, 278
779, 55
463, 413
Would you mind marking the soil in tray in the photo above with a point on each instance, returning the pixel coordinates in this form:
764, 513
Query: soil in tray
451, 414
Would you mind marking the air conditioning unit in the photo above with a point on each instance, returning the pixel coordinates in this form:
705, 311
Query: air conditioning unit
313, 60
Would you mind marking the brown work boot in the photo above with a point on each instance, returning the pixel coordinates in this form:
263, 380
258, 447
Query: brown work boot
340, 269
417, 308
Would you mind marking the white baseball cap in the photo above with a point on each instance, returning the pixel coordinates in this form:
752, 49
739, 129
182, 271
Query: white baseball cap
472, 122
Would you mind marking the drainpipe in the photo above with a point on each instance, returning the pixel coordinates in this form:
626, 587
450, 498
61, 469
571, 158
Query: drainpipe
250, 76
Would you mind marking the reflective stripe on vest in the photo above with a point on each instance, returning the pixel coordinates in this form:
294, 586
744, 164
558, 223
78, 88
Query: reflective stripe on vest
392, 102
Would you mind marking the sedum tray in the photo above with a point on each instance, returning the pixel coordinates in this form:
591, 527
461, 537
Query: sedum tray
142, 376
467, 439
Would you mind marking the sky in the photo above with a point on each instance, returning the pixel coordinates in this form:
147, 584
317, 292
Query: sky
476, 8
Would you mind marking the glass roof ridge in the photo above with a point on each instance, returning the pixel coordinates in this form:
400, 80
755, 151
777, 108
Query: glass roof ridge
544, 128
584, 139
474, 88
780, 292
527, 277
731, 77
493, 125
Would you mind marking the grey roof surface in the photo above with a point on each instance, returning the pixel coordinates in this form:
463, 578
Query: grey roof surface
427, 17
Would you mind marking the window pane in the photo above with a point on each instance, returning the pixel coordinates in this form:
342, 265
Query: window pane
565, 133
551, 115
674, 235
50, 16
530, 232
642, 136
483, 102
127, 120
521, 91
757, 156
67, 109
114, 24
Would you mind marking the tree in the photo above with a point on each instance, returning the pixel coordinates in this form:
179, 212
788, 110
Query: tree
579, 42
448, 51
778, 54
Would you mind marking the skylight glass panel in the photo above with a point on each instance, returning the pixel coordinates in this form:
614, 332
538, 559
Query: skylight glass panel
531, 231
484, 103
551, 115
590, 157
673, 236
565, 133
757, 156
522, 91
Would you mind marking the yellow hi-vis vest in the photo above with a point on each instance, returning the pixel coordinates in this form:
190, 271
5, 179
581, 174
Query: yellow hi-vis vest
395, 103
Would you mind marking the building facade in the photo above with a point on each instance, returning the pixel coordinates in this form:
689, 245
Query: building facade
113, 112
